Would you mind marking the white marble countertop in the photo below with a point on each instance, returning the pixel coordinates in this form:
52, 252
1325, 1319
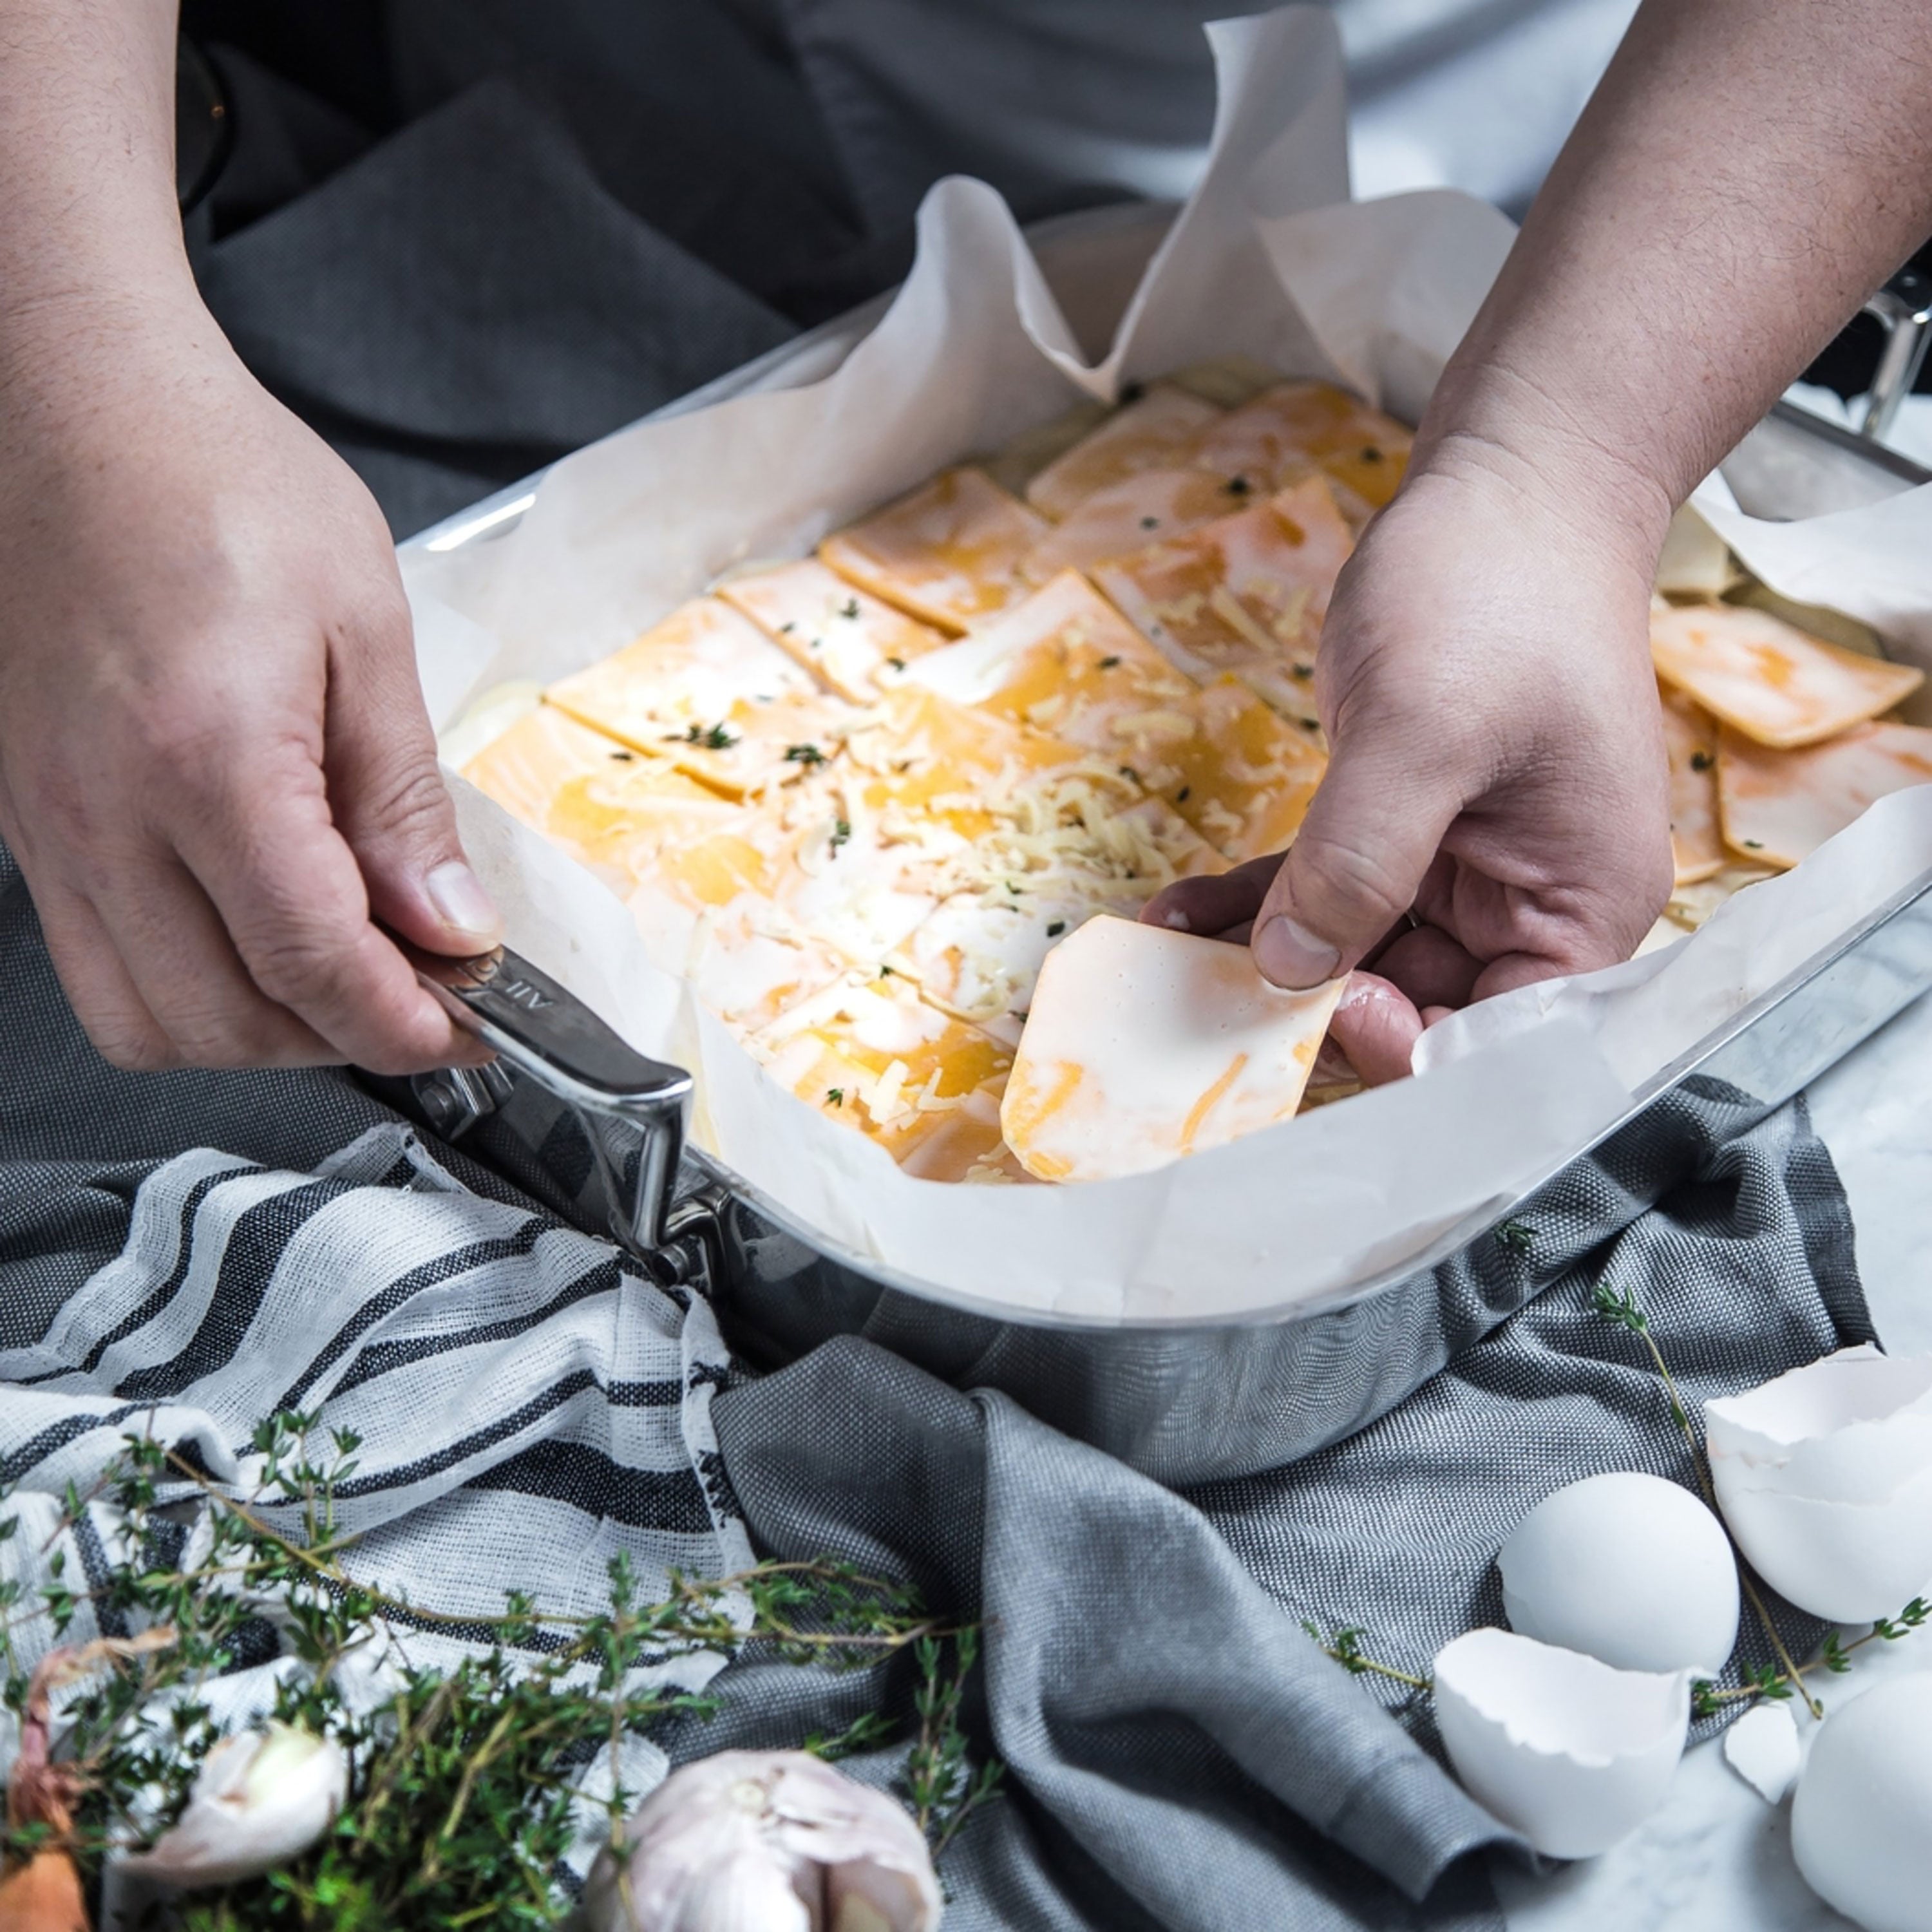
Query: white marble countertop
1716, 1858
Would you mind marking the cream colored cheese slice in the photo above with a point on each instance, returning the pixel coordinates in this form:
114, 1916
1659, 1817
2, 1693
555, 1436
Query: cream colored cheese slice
1275, 437
1769, 679
949, 553
682, 676
1163, 426
845, 636
607, 806
1245, 594
1143, 1045
1691, 741
1779, 807
1128, 516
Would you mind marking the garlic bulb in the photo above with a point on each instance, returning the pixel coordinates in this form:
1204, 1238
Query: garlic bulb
765, 1841
262, 1799
1825, 1477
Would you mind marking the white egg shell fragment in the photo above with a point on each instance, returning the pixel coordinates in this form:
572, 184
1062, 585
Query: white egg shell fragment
1627, 1568
1825, 1477
1762, 1748
1569, 1752
1861, 1821
1144, 1045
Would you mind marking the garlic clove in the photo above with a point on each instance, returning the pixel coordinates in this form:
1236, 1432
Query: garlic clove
1850, 1562
742, 1834
1761, 1746
261, 1799
1627, 1568
1858, 1821
1567, 1750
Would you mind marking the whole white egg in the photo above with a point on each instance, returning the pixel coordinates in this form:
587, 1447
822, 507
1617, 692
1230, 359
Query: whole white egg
1627, 1568
1862, 1821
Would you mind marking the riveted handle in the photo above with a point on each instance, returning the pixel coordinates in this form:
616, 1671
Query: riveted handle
542, 1029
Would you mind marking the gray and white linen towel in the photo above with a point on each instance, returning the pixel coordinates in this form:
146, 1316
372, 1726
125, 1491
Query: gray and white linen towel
201, 1248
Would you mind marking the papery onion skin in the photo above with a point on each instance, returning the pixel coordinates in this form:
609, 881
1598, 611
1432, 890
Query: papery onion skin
43, 1895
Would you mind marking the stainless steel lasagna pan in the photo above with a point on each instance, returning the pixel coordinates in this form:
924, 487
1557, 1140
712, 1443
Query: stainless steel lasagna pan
571, 1112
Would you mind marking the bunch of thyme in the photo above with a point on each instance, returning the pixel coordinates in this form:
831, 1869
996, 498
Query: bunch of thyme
466, 1793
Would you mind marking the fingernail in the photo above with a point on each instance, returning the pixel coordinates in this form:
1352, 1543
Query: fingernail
1290, 955
463, 906
1176, 922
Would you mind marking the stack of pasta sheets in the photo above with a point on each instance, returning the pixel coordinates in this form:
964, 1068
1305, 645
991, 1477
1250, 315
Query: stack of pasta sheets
855, 800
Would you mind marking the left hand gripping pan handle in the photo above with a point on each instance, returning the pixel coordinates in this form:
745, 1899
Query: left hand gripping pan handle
543, 1031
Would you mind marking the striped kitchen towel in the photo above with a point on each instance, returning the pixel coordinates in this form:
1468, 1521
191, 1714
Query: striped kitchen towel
529, 1405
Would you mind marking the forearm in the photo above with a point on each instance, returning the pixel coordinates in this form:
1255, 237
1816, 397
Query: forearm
91, 248
1747, 172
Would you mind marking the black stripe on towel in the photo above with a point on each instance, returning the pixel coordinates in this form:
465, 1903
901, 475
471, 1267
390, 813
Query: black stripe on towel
670, 1500
253, 1251
441, 1268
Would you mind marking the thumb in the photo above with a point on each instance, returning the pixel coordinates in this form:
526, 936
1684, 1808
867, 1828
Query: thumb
389, 801
1372, 831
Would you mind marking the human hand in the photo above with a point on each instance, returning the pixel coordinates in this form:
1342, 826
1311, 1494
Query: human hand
215, 769
1497, 776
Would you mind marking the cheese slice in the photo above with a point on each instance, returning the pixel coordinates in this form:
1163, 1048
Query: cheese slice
949, 553
1126, 517
1066, 661
1273, 439
1153, 432
1144, 1044
1768, 679
867, 1053
1691, 741
677, 685
844, 636
1779, 807
1063, 660
917, 756
1246, 594
761, 742
1245, 778
607, 806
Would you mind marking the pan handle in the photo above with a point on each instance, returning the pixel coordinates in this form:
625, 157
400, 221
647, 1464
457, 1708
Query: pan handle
1904, 307
542, 1030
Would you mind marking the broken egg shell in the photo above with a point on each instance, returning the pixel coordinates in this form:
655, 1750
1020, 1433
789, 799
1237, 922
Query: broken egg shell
1761, 1746
1859, 1823
1627, 1568
1565, 1749
1851, 1563
1824, 1475
1850, 1427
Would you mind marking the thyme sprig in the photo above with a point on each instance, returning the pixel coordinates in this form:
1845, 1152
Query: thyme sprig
1345, 1646
1624, 1310
471, 1782
1776, 1682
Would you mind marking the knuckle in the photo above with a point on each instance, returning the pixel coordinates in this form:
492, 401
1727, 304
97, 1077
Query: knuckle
409, 802
301, 966
1357, 882
130, 1045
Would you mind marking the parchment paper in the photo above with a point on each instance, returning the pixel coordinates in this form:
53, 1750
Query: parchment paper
1262, 261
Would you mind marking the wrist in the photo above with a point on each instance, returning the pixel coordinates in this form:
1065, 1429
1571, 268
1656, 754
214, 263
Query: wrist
1602, 487
73, 356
